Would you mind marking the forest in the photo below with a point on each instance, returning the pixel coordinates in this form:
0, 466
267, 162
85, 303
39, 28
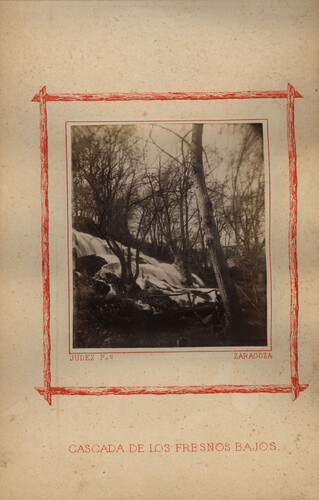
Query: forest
168, 223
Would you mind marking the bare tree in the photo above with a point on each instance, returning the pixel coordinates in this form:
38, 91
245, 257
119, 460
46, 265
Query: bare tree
244, 209
225, 284
173, 184
106, 185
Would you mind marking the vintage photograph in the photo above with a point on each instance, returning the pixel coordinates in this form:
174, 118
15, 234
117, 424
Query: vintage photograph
168, 235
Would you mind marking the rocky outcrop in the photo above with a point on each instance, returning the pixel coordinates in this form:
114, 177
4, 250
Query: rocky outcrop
89, 264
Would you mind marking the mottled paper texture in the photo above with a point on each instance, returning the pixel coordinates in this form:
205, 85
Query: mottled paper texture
241, 446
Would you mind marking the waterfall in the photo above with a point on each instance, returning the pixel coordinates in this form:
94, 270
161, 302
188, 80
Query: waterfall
152, 273
86, 244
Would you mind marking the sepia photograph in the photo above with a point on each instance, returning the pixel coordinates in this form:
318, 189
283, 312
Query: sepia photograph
169, 243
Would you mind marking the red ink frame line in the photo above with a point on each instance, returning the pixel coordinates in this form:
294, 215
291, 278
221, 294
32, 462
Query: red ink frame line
294, 388
292, 239
166, 390
168, 96
45, 246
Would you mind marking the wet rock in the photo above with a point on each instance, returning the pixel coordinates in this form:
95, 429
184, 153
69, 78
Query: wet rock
90, 264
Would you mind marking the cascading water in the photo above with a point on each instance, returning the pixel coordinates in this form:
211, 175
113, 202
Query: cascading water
85, 244
152, 273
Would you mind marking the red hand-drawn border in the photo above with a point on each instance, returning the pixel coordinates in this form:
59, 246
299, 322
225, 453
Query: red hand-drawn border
295, 387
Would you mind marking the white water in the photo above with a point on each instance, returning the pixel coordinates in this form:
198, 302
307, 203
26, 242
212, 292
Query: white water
85, 244
152, 273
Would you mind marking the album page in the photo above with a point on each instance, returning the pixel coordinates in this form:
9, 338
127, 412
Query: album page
159, 254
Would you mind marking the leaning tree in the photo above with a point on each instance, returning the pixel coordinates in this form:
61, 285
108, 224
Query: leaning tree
226, 286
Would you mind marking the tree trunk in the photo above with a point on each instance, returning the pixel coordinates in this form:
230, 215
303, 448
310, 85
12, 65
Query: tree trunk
182, 259
215, 252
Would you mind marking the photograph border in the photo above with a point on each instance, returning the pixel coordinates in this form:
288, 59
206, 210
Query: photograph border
173, 350
294, 387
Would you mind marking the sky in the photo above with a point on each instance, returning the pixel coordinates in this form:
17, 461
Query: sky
224, 138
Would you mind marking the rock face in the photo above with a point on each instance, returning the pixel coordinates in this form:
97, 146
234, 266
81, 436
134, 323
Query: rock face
90, 264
